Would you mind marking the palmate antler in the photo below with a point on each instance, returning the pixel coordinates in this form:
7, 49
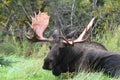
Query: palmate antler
40, 23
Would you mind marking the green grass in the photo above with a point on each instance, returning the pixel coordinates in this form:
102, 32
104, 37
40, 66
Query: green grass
31, 69
25, 69
110, 40
28, 60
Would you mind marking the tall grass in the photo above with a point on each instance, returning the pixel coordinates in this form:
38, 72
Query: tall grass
110, 40
25, 69
92, 76
31, 69
28, 59
11, 46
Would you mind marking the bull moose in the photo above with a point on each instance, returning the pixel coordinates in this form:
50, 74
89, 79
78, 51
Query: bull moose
68, 55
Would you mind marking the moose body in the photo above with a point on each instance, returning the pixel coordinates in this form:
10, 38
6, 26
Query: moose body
58, 48
68, 55
78, 57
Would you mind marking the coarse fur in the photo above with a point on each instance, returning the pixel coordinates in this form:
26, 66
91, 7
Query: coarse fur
87, 56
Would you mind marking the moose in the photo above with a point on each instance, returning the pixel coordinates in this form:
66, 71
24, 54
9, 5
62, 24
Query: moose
67, 55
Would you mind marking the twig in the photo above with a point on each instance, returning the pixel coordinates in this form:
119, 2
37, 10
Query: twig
5, 24
25, 13
72, 12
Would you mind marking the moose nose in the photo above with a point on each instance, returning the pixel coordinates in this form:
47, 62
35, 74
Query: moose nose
46, 67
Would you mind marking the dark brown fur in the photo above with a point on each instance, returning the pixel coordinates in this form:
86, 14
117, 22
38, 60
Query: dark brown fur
87, 56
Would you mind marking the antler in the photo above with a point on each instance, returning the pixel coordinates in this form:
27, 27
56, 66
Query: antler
80, 38
39, 24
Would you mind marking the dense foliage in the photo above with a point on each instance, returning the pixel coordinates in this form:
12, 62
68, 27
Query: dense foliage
68, 15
